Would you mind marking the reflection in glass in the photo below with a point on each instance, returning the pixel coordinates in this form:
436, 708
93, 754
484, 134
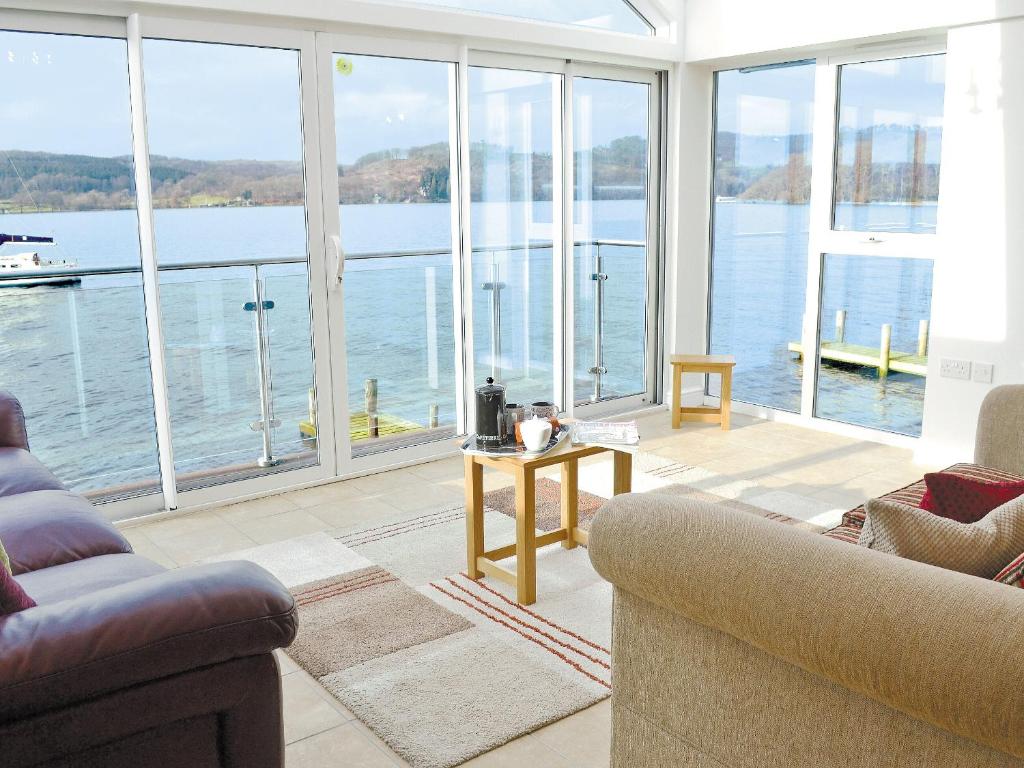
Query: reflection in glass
889, 143
74, 354
225, 136
393, 121
512, 135
874, 349
759, 246
610, 124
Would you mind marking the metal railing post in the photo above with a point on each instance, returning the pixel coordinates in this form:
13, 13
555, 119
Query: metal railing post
598, 369
267, 421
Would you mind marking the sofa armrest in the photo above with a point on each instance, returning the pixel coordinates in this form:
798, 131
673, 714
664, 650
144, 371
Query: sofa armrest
937, 645
65, 652
12, 423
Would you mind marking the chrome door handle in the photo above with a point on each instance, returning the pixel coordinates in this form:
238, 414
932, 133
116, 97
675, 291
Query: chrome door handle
339, 258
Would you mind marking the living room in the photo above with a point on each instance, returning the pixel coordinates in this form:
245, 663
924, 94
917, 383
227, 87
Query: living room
354, 356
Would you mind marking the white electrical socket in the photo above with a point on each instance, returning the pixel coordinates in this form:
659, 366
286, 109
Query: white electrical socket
983, 372
955, 369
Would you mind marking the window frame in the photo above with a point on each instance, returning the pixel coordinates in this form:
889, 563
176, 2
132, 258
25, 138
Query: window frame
822, 238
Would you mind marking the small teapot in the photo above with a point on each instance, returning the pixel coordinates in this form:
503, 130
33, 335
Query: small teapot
536, 433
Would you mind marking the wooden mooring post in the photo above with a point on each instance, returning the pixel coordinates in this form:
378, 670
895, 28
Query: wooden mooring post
840, 326
370, 405
432, 419
922, 338
885, 351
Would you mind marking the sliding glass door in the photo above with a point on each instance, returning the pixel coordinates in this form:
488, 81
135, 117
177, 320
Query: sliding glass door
612, 207
393, 120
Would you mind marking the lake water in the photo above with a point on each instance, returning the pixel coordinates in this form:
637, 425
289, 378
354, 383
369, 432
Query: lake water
78, 357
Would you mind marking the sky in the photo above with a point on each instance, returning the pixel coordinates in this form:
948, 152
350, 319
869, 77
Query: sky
219, 102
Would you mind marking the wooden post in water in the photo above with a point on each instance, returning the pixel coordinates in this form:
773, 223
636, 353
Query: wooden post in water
840, 326
883, 352
370, 405
922, 338
432, 417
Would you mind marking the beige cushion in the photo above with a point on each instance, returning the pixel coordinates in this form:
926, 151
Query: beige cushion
981, 549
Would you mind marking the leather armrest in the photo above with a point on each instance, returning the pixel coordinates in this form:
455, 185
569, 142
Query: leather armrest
937, 645
57, 654
12, 422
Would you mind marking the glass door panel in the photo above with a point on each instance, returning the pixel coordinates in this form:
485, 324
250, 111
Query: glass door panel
73, 347
225, 139
393, 119
761, 214
611, 158
514, 119
873, 352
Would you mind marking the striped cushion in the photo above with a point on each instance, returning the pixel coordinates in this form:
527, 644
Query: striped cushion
853, 521
1013, 574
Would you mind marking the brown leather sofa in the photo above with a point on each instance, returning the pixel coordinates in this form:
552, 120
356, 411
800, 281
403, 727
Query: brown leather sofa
123, 662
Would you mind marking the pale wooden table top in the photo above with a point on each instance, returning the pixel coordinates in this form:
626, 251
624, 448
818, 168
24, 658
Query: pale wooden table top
718, 360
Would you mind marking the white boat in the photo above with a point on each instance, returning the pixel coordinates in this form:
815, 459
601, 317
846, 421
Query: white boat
21, 270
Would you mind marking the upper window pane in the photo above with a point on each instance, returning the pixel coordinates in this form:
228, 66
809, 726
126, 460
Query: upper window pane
614, 15
890, 136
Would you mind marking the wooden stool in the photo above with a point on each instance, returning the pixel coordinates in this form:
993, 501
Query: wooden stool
721, 364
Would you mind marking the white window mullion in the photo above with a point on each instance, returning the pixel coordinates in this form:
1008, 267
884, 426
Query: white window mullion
462, 241
819, 222
150, 273
563, 245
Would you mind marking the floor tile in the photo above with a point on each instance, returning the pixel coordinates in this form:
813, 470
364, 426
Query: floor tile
287, 525
584, 738
341, 747
525, 752
305, 711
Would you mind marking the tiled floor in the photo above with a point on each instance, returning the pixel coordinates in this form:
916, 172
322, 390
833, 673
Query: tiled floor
321, 732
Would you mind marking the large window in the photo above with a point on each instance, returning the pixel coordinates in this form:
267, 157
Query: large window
762, 186
73, 348
781, 226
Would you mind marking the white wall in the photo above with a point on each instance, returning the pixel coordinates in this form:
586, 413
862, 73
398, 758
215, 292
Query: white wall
720, 29
978, 298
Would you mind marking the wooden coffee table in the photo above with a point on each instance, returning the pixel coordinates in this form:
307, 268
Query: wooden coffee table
482, 562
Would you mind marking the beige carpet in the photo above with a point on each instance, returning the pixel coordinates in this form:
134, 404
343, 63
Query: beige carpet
443, 668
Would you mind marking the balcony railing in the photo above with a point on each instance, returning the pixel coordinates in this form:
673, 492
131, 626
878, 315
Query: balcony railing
239, 361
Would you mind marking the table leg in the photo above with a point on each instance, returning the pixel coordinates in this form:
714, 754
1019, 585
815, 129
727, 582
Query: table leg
726, 399
474, 516
623, 481
526, 537
677, 396
570, 500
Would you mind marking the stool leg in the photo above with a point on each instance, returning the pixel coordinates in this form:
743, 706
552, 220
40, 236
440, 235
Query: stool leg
726, 400
677, 390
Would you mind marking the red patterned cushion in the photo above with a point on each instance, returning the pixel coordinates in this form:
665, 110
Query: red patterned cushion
853, 521
12, 597
967, 499
1013, 574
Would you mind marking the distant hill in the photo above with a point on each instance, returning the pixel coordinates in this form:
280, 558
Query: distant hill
42, 181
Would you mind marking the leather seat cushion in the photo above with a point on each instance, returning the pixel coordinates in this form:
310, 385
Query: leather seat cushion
21, 472
46, 528
84, 577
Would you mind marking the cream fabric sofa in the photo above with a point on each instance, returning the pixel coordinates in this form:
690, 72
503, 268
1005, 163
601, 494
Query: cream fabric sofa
738, 641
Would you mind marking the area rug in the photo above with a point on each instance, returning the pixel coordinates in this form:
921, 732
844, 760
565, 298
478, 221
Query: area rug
444, 668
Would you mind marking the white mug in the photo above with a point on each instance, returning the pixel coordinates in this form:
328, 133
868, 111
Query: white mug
536, 432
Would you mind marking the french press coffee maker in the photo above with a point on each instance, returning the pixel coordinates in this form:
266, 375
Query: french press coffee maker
491, 426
